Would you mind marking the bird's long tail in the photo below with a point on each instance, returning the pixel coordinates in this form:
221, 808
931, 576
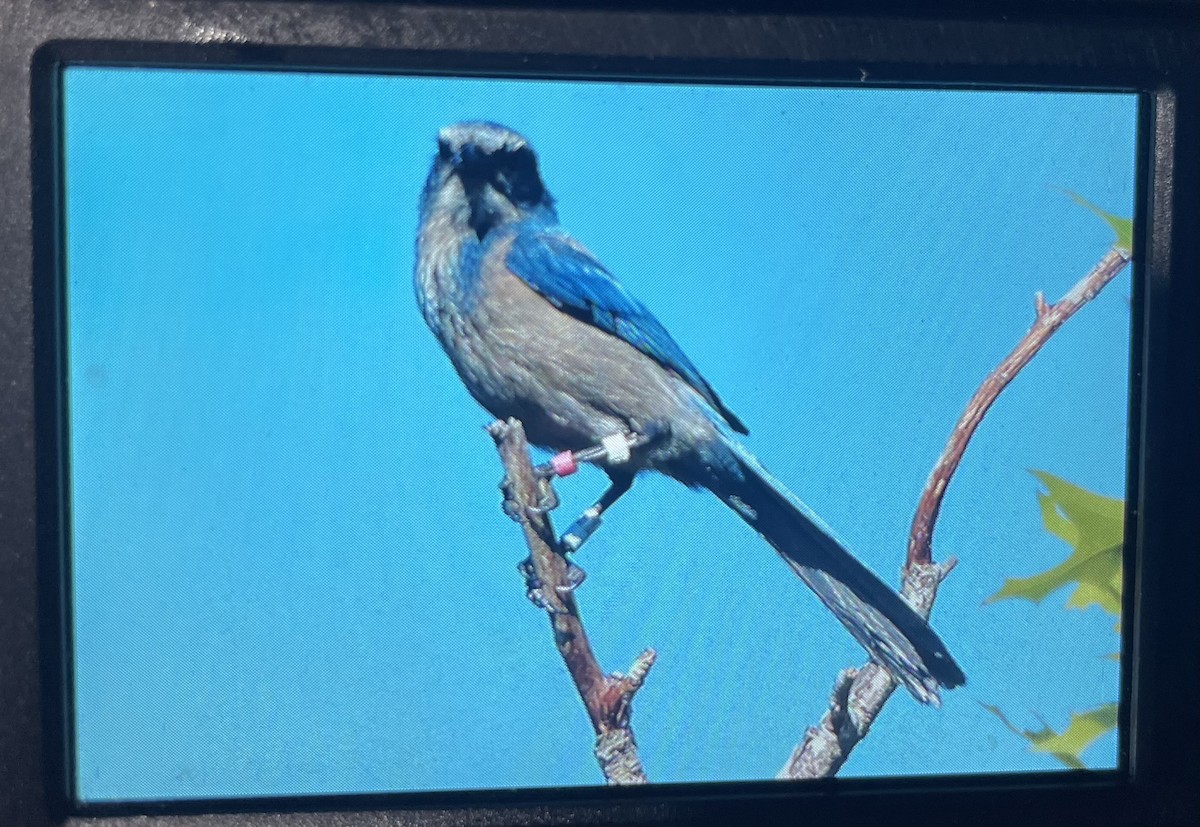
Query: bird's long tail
878, 618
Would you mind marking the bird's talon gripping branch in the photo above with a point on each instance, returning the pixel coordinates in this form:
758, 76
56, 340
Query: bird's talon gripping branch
613, 450
575, 577
535, 590
511, 507
533, 584
547, 500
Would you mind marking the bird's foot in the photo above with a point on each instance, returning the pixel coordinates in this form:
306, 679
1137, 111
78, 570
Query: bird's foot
535, 589
547, 498
518, 512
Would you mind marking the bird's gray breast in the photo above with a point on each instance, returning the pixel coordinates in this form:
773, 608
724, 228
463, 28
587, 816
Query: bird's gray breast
570, 382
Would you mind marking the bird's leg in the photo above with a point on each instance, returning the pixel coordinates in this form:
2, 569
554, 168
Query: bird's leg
615, 451
579, 531
589, 520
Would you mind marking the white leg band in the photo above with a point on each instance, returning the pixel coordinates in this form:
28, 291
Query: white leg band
617, 448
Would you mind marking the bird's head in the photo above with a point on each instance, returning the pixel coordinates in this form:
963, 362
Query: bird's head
489, 173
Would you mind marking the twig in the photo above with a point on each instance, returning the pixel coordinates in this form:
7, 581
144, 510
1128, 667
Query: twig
607, 698
1048, 319
859, 695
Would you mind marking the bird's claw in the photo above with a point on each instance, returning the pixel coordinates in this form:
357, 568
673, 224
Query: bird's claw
510, 504
547, 498
517, 512
533, 584
575, 577
535, 589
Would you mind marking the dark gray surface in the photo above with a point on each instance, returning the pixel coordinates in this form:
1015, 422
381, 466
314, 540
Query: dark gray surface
1119, 44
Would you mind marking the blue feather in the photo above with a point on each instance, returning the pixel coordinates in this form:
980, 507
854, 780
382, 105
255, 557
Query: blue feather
570, 278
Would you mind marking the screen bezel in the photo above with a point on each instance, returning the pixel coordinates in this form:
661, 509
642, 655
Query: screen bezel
825, 52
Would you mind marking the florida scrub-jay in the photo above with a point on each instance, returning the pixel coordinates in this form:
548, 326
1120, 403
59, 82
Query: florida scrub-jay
539, 330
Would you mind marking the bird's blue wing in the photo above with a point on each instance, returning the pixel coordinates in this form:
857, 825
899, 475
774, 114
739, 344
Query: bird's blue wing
570, 278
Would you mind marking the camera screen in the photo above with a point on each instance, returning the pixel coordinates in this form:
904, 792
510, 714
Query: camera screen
293, 302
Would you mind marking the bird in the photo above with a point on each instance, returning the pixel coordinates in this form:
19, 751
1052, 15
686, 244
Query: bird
538, 329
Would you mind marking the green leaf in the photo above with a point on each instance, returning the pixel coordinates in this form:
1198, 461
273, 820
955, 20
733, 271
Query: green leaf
1067, 746
1094, 527
1123, 227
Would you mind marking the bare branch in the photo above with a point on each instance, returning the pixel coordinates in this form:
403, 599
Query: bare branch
607, 698
859, 695
1048, 319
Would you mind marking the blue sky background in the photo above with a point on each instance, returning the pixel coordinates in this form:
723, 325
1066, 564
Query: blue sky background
291, 571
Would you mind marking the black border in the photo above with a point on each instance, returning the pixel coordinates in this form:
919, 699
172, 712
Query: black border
1149, 46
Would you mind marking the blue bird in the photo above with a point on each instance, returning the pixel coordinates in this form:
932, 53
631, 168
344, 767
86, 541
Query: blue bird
539, 330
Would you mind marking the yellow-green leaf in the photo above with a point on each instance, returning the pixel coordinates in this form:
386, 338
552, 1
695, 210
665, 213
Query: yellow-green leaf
1093, 526
1123, 227
1066, 746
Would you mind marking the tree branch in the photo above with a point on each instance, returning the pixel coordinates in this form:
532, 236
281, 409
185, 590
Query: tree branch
1047, 320
607, 698
859, 694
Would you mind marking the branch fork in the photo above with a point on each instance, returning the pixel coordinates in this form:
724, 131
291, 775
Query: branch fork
859, 694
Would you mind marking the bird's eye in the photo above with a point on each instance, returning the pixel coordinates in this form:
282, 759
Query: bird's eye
519, 177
